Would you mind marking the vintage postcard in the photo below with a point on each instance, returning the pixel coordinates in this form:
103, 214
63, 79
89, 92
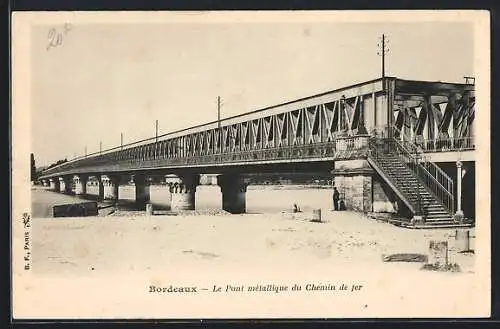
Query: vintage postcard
201, 165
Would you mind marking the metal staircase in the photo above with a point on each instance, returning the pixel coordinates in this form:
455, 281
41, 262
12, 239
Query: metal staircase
424, 188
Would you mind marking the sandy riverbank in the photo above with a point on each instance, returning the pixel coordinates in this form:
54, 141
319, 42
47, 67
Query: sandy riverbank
105, 267
140, 243
114, 260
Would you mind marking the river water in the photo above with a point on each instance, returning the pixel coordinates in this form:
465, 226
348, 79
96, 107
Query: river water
259, 199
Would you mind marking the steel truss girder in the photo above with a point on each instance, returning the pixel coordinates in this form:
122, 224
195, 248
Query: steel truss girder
425, 114
434, 117
311, 125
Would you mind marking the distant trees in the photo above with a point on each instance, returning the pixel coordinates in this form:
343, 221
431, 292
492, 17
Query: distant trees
36, 172
57, 163
33, 169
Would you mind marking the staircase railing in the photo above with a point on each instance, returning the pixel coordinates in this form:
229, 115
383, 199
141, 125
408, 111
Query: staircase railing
433, 177
377, 148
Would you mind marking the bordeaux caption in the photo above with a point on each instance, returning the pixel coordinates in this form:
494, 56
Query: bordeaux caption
270, 288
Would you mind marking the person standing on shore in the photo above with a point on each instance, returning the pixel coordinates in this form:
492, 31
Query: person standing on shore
336, 197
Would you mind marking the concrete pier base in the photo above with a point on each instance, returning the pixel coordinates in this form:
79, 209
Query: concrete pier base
81, 185
142, 191
233, 188
111, 188
183, 192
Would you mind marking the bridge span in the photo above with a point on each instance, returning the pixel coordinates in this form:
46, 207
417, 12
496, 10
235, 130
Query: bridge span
357, 133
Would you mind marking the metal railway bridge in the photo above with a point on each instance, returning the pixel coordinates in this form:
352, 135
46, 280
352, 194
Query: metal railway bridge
357, 133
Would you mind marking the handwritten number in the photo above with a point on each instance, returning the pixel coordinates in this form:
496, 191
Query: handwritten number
55, 37
58, 40
52, 32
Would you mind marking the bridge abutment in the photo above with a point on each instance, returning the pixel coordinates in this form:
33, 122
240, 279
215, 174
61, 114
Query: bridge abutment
233, 188
142, 190
353, 179
183, 192
81, 185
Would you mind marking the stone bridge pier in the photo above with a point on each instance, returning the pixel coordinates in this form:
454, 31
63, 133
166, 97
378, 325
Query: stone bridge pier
100, 186
81, 184
183, 192
111, 185
233, 188
54, 184
142, 190
65, 184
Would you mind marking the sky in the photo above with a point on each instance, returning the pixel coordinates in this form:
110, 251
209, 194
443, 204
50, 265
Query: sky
106, 79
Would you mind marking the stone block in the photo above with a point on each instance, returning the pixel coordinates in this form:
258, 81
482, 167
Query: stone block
438, 253
76, 210
462, 241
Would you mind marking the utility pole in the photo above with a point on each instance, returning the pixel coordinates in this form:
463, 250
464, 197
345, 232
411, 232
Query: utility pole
218, 112
85, 151
218, 123
100, 147
383, 50
383, 56
156, 131
121, 141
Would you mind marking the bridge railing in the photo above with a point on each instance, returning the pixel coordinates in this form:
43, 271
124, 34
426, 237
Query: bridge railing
441, 144
447, 144
342, 147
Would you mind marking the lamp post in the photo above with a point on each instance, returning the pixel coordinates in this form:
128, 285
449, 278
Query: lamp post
418, 190
459, 215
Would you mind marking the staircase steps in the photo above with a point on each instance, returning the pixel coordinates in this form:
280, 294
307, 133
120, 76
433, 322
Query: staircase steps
408, 183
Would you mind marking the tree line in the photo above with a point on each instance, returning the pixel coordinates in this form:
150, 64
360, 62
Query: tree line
36, 172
